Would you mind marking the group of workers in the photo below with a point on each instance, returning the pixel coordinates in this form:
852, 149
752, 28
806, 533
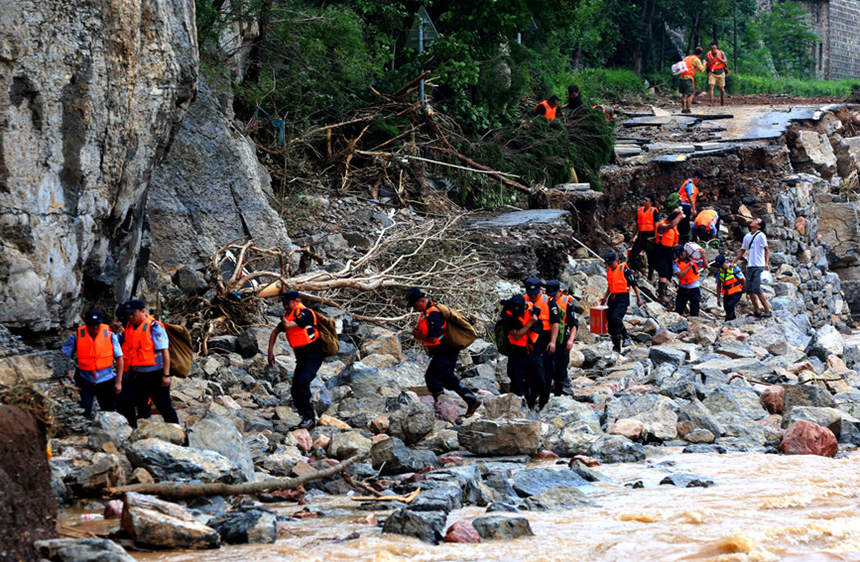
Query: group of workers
549, 107
125, 365
717, 67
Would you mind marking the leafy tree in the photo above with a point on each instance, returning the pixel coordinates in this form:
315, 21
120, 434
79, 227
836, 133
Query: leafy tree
788, 34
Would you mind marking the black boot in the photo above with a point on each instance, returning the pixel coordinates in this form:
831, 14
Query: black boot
616, 343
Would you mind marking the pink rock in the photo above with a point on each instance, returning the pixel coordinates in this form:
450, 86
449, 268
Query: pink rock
587, 461
835, 363
377, 438
773, 399
732, 333
303, 439
629, 428
321, 442
113, 509
661, 337
545, 455
446, 408
462, 531
807, 438
380, 424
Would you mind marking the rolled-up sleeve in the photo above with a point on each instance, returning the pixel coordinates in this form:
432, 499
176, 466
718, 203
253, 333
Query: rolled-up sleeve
117, 348
69, 347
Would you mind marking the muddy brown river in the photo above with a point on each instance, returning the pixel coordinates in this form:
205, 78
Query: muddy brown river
762, 507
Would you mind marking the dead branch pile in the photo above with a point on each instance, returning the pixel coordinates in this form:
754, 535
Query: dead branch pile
25, 396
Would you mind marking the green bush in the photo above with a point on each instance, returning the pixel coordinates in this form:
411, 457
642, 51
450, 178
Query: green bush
600, 84
746, 84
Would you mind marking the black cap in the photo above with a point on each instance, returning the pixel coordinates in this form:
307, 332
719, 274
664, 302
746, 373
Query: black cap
720, 259
413, 295
134, 304
553, 98
93, 317
679, 250
515, 302
609, 258
533, 285
552, 286
289, 296
698, 174
122, 313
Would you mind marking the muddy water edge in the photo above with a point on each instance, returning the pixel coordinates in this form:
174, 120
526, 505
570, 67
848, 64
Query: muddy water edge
761, 507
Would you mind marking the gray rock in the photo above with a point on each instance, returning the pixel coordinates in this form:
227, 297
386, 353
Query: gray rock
189, 281
505, 406
826, 341
686, 480
426, 526
806, 395
361, 379
391, 456
219, 434
348, 443
439, 498
704, 449
103, 471
154, 522
246, 345
412, 423
76, 550
772, 339
696, 413
115, 425
557, 498
588, 474
664, 354
501, 437
167, 461
255, 525
500, 527
616, 448
562, 411
831, 418
735, 399
574, 439
531, 482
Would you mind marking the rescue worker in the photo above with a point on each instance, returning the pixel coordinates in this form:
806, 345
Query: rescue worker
574, 100
519, 319
689, 195
146, 346
300, 326
547, 108
647, 217
127, 402
706, 226
566, 334
718, 69
619, 280
544, 347
665, 239
430, 331
687, 82
687, 273
98, 359
730, 286
608, 112
759, 258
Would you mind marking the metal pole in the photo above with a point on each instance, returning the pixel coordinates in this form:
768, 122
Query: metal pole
519, 38
421, 50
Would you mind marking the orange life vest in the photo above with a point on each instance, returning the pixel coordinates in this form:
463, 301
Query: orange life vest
94, 354
542, 304
730, 283
715, 61
549, 111
424, 327
692, 274
141, 348
600, 107
668, 237
126, 348
706, 218
616, 279
685, 198
528, 337
299, 336
645, 219
689, 60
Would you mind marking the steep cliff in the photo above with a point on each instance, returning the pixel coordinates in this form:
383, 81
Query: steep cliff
92, 94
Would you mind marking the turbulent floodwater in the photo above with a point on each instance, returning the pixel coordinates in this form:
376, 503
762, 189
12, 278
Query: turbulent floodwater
763, 507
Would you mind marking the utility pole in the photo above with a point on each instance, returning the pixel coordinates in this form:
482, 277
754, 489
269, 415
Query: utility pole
735, 36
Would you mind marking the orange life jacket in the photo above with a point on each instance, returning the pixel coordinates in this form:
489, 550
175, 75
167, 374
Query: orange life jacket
730, 283
645, 219
542, 304
126, 349
685, 198
689, 60
94, 354
600, 107
668, 237
141, 348
528, 337
715, 61
549, 111
616, 279
692, 274
424, 327
706, 218
299, 336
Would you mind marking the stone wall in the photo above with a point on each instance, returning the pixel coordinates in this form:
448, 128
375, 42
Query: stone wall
844, 37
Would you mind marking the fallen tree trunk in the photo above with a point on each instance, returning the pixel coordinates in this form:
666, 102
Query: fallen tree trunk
183, 491
489, 171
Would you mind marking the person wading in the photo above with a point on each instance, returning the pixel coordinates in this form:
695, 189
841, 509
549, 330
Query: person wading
548, 327
430, 331
665, 238
687, 82
519, 319
689, 197
619, 279
647, 217
97, 352
566, 335
300, 325
718, 69
687, 273
547, 108
759, 257
730, 286
147, 345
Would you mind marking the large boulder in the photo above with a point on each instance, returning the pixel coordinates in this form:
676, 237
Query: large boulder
806, 395
391, 456
424, 525
75, 550
616, 448
501, 437
807, 438
210, 189
831, 418
255, 525
502, 527
115, 426
154, 522
348, 443
826, 341
412, 422
533, 481
737, 400
664, 354
812, 151
219, 434
83, 122
167, 461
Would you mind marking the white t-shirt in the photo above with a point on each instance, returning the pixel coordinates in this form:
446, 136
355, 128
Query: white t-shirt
755, 243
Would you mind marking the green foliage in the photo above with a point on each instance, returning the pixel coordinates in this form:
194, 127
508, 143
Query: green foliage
601, 84
788, 34
746, 84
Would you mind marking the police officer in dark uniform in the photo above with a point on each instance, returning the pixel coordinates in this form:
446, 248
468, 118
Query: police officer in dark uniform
566, 335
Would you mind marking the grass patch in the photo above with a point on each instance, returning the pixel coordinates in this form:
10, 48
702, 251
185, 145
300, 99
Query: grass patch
600, 85
748, 84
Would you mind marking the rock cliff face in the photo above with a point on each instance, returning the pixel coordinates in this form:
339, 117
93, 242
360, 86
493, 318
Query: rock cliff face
92, 94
